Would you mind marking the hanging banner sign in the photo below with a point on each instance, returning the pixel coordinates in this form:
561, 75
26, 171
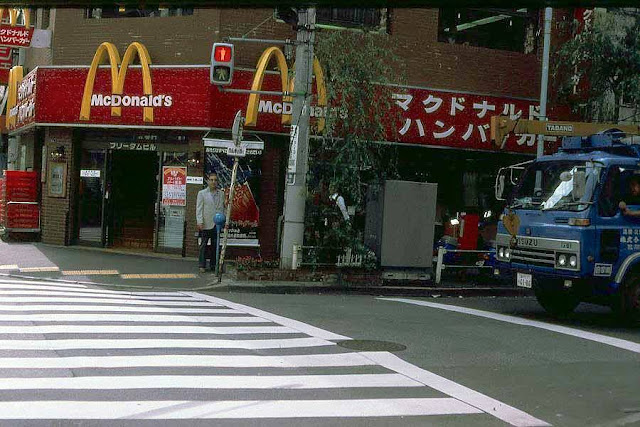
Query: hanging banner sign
15, 36
245, 214
174, 186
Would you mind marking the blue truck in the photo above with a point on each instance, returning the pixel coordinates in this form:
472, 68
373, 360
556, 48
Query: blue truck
568, 230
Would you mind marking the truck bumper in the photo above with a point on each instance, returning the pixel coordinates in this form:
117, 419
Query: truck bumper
587, 288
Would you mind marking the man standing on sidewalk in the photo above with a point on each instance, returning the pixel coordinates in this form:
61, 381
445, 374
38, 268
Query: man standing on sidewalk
210, 202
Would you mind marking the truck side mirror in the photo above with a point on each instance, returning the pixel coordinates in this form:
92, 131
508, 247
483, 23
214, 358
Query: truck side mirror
501, 182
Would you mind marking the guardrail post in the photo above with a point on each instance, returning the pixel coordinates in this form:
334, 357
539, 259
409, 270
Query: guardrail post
294, 258
439, 264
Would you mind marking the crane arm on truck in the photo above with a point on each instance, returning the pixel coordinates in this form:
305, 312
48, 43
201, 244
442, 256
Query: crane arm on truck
502, 126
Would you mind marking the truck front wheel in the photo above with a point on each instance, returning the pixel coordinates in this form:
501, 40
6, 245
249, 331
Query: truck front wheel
556, 302
629, 301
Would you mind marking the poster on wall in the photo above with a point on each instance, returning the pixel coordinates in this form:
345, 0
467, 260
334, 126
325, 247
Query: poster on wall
174, 186
245, 215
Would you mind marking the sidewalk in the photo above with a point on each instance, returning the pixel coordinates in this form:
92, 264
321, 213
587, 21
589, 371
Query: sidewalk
135, 270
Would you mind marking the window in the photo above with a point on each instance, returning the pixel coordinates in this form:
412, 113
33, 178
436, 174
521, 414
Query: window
351, 17
126, 12
505, 29
370, 18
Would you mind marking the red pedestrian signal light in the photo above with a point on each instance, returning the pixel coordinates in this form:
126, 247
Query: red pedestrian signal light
221, 72
222, 53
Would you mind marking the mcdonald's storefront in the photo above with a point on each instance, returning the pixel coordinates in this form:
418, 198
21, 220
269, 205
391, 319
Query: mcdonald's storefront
123, 149
121, 163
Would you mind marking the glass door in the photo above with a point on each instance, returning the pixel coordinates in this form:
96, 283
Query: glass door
172, 202
91, 207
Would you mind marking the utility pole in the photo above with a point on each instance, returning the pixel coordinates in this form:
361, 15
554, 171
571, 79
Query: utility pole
544, 83
296, 189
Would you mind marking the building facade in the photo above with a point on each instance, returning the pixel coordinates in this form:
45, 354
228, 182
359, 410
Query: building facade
130, 178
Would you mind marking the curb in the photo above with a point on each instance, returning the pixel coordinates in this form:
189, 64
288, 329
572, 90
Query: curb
378, 290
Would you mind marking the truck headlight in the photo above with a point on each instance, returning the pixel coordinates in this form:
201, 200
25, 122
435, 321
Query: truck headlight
573, 260
507, 253
562, 260
501, 252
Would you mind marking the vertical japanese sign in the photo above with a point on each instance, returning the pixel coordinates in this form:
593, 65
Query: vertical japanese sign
174, 186
245, 214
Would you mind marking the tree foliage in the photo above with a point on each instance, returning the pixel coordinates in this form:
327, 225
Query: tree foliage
360, 69
605, 59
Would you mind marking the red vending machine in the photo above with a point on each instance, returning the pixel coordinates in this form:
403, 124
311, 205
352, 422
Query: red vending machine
469, 231
19, 207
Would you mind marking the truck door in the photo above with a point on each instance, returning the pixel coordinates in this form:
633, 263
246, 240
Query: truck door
618, 234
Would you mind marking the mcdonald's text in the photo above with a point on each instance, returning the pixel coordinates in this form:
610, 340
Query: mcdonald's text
131, 101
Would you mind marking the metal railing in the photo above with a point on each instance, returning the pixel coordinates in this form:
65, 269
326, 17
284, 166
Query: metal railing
346, 259
440, 265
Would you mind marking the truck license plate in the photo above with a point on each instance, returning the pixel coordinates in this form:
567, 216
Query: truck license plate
524, 280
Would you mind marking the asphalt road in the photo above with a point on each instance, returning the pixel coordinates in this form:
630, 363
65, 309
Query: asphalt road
80, 355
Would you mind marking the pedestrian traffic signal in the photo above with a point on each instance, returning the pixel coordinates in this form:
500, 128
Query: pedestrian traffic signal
221, 72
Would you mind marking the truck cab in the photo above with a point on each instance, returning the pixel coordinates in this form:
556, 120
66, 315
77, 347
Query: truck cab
569, 230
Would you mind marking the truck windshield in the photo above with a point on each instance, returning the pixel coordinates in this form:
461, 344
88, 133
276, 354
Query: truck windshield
559, 185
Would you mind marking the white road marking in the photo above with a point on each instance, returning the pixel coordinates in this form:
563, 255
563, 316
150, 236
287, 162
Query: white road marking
126, 295
294, 324
9, 267
111, 344
599, 338
234, 409
225, 382
17, 289
41, 282
119, 308
201, 360
131, 317
137, 329
134, 300
506, 413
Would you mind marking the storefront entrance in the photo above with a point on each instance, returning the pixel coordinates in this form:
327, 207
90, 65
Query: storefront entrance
120, 202
133, 194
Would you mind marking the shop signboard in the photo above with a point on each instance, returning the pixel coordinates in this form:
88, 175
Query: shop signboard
12, 36
179, 96
174, 186
245, 214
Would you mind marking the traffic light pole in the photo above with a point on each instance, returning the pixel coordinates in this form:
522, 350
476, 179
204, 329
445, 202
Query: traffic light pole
296, 189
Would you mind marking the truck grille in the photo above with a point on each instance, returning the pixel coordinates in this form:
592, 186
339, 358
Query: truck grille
539, 257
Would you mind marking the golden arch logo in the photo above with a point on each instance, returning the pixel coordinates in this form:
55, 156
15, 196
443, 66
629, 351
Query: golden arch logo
118, 75
287, 86
15, 78
15, 13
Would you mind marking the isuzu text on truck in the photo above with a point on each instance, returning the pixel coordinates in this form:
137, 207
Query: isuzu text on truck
568, 231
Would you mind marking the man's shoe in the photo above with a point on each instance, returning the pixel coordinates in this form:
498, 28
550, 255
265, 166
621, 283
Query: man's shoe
203, 270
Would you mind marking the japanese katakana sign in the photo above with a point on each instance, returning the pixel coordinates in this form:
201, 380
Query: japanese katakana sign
433, 117
15, 36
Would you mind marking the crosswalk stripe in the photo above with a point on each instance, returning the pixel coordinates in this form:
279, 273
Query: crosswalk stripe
4, 288
117, 308
95, 300
294, 324
232, 409
235, 361
131, 317
111, 344
125, 295
209, 381
7, 281
136, 329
